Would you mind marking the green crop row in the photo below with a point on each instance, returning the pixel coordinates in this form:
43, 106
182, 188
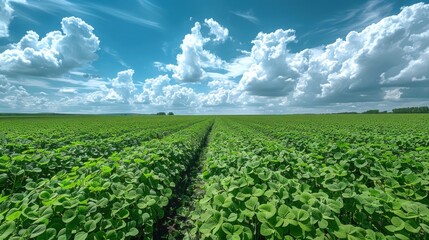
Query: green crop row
35, 164
21, 134
115, 198
258, 187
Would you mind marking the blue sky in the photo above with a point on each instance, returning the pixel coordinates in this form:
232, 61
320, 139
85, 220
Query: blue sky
213, 56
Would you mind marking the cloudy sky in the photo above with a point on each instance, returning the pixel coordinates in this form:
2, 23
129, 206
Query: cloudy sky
213, 56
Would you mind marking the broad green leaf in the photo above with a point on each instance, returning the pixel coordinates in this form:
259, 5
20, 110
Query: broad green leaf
40, 229
90, 225
132, 232
81, 236
228, 228
283, 211
252, 203
14, 215
338, 155
123, 213
269, 210
398, 223
323, 224
69, 215
266, 231
6, 229
49, 234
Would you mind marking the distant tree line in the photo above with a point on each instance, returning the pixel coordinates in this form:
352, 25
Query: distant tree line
424, 109
374, 111
163, 113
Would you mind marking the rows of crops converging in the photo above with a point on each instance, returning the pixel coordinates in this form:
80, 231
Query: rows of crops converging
207, 177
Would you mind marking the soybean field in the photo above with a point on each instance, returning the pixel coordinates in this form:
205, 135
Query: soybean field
215, 177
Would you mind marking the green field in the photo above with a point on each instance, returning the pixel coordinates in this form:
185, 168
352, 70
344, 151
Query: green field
215, 177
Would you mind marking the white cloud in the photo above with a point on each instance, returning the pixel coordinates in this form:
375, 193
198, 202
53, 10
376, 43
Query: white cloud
270, 74
159, 92
393, 94
194, 58
217, 30
249, 16
153, 90
123, 84
391, 53
67, 90
222, 83
55, 54
16, 98
6, 15
6, 12
118, 90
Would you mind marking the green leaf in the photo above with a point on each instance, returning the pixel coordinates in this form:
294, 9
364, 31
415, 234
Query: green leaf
228, 228
69, 215
6, 229
398, 223
90, 225
40, 229
401, 236
283, 211
390, 228
70, 203
323, 224
266, 231
219, 199
132, 232
3, 177
268, 209
412, 226
49, 234
123, 213
16, 214
251, 203
338, 155
80, 236
232, 217
424, 227
45, 212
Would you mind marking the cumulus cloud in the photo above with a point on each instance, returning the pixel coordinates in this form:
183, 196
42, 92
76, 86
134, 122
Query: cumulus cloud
118, 90
6, 15
363, 67
270, 73
153, 90
53, 55
123, 84
393, 94
159, 92
220, 33
194, 58
17, 98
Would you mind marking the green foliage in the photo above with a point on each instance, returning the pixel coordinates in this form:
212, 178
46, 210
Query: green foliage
276, 177
115, 196
330, 177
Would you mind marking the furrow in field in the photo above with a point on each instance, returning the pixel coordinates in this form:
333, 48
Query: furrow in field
183, 193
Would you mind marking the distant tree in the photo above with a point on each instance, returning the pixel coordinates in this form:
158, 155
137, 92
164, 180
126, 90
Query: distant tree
170, 113
372, 111
347, 113
423, 109
161, 113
